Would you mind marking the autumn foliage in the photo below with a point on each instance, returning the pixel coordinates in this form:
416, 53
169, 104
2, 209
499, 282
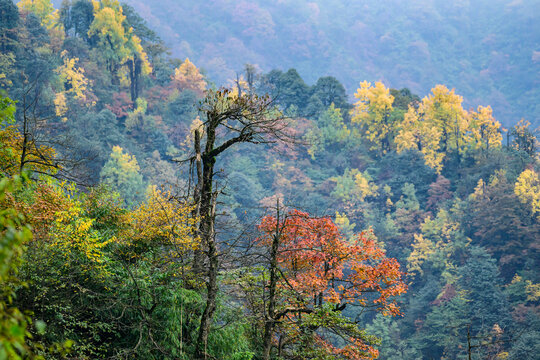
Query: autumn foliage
322, 273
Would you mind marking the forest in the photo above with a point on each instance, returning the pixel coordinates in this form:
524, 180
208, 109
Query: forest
488, 49
150, 211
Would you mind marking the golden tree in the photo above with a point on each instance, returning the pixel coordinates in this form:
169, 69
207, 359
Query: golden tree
373, 112
438, 127
187, 76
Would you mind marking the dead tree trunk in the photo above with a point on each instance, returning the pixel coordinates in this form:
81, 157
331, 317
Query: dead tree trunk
270, 315
230, 119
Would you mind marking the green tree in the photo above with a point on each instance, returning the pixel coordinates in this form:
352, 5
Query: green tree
121, 173
329, 132
77, 16
9, 20
498, 221
287, 88
392, 345
487, 305
326, 91
14, 233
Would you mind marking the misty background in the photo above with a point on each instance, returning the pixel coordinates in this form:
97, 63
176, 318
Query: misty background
489, 51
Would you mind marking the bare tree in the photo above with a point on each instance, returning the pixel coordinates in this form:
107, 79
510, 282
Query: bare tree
230, 119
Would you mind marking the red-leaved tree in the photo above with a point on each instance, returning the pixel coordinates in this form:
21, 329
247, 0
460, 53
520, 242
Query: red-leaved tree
317, 279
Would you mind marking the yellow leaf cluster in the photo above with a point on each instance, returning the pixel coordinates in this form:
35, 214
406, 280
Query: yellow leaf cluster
422, 249
118, 44
187, 76
364, 186
138, 50
196, 124
163, 221
73, 236
238, 86
354, 186
439, 239
532, 291
60, 105
126, 162
372, 111
485, 130
37, 158
135, 118
440, 125
527, 189
478, 190
73, 76
43, 9
9, 152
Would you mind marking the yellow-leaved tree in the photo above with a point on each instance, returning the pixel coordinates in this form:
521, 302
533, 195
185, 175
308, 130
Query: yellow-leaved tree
163, 220
49, 17
74, 84
437, 128
74, 237
485, 130
43, 9
238, 86
354, 186
372, 112
118, 46
187, 76
527, 189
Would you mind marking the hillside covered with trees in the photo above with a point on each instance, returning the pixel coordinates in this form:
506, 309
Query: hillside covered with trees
488, 50
148, 213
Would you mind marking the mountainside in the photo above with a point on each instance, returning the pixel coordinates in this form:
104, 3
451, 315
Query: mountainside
489, 51
147, 214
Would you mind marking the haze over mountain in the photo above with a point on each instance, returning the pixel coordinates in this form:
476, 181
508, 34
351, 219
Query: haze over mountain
146, 213
489, 51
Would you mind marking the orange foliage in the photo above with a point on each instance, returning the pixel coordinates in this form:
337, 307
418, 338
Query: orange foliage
319, 266
317, 259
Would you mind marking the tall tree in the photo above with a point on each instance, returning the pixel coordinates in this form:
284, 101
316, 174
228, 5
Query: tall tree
77, 16
327, 91
527, 188
44, 9
230, 119
118, 44
523, 137
9, 19
486, 131
373, 112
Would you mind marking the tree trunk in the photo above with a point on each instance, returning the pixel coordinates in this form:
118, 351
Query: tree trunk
269, 316
134, 66
211, 285
208, 241
196, 213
